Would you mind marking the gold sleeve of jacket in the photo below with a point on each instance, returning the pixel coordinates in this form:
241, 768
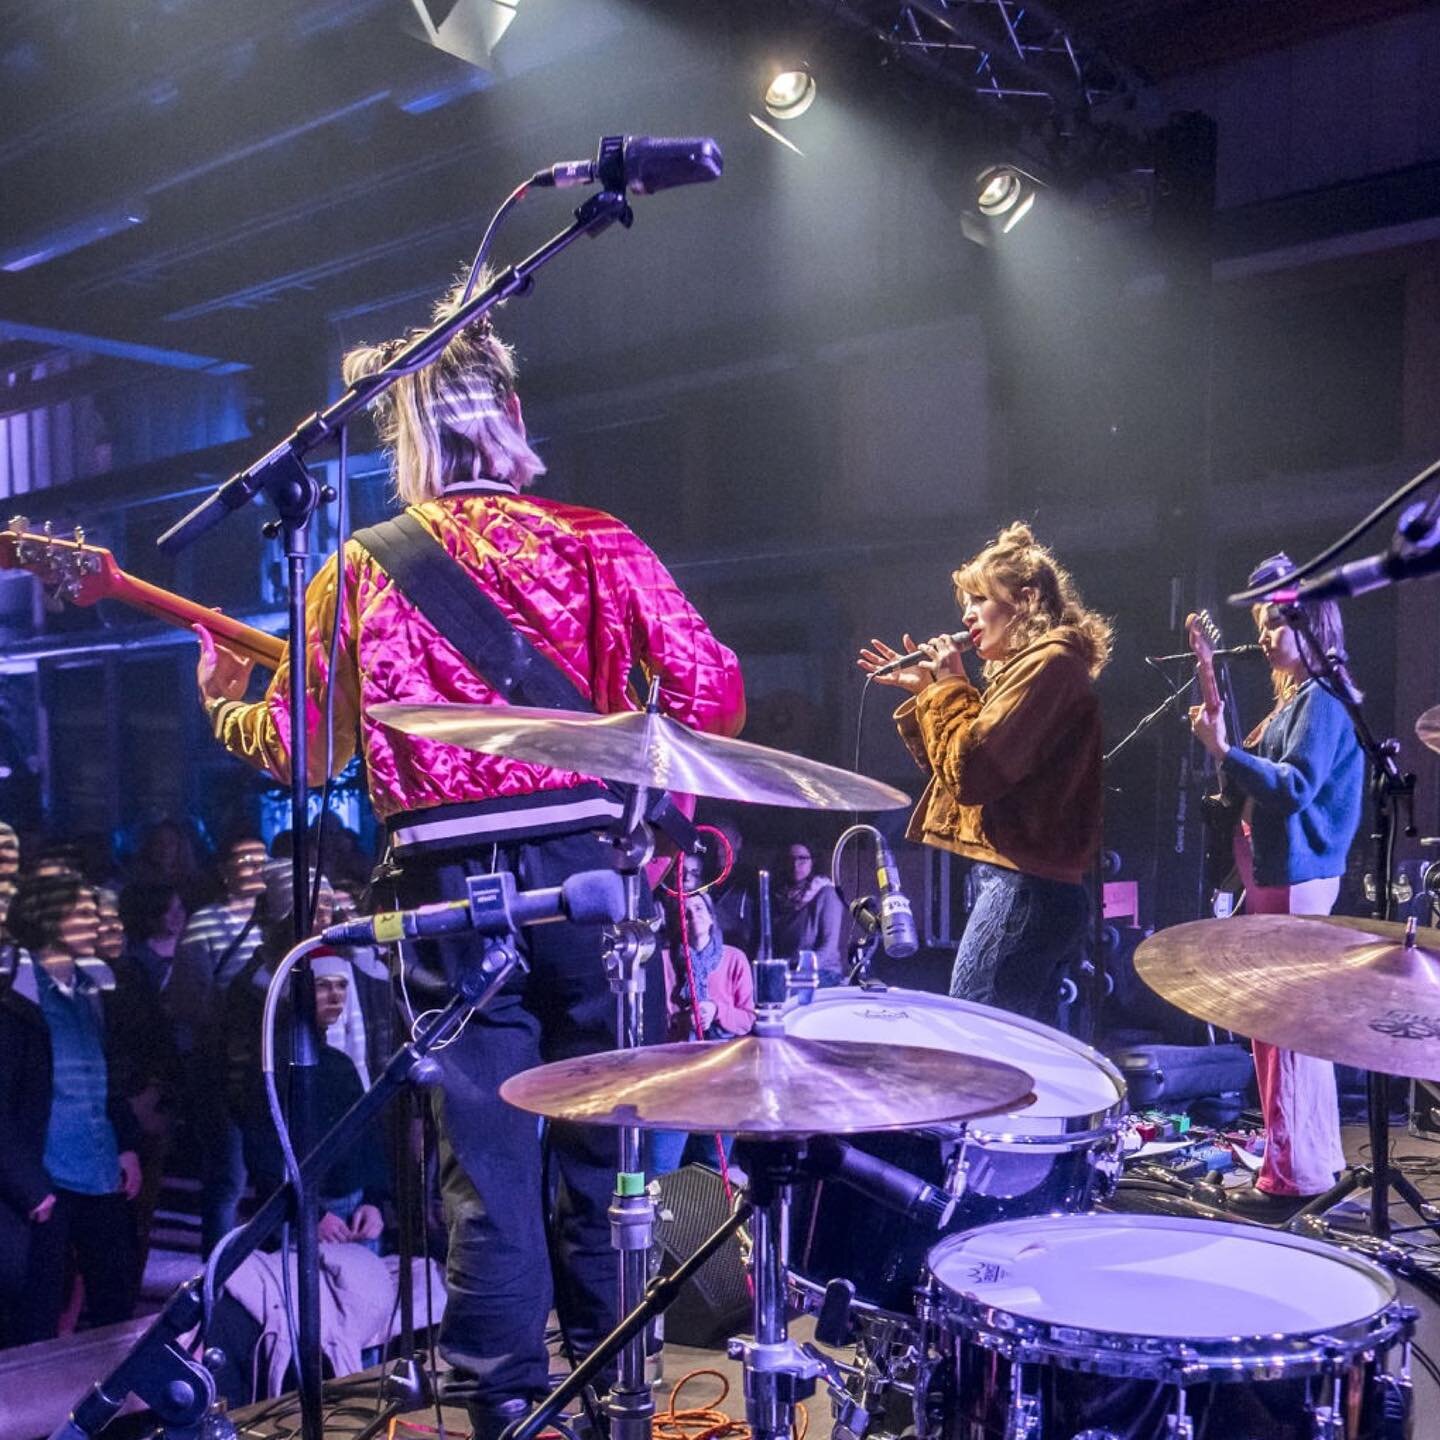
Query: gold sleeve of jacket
259, 733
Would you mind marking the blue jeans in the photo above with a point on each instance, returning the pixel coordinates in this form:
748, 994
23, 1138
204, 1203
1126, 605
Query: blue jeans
668, 1150
1022, 935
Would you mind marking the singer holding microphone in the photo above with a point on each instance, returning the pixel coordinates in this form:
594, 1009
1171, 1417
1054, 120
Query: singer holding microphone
581, 601
1301, 775
1014, 766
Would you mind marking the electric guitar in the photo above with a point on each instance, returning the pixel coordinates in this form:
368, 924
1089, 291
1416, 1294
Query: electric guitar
72, 570
1221, 810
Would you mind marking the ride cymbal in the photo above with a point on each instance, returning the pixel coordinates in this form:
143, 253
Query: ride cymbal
1349, 990
771, 1085
1427, 727
635, 747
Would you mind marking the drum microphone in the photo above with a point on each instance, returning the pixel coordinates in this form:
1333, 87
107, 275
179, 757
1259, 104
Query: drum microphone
493, 907
960, 639
897, 920
888, 1185
641, 164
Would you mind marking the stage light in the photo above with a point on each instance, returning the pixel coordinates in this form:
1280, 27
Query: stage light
791, 93
1003, 196
1005, 193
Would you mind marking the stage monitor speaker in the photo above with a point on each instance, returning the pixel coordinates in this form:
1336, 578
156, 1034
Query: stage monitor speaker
716, 1302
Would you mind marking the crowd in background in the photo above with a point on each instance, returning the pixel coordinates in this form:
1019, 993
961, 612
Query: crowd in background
131, 999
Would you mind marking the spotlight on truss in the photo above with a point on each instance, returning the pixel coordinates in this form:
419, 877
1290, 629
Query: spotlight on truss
1003, 196
790, 93
468, 29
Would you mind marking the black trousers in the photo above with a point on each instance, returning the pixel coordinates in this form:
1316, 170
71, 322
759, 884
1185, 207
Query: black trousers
100, 1231
498, 1273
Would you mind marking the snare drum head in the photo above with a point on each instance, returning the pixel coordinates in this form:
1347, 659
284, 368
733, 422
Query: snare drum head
1161, 1277
1070, 1078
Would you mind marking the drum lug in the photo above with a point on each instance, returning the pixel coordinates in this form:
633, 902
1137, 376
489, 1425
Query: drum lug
1109, 1166
1328, 1421
1024, 1418
1178, 1424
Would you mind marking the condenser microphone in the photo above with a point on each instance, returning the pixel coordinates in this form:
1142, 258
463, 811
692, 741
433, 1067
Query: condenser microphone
897, 919
493, 907
960, 639
641, 164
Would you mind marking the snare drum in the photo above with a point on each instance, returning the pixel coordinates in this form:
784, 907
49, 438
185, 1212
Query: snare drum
1053, 1156
1139, 1327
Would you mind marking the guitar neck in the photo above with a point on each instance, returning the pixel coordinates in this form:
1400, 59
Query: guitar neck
264, 649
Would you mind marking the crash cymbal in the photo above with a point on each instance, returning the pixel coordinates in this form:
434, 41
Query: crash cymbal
771, 1085
1348, 990
634, 747
1427, 727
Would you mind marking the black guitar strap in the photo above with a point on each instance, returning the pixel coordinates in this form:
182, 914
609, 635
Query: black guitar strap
437, 585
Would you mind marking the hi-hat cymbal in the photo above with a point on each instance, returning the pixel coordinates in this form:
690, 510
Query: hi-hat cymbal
1344, 989
1427, 727
771, 1085
634, 747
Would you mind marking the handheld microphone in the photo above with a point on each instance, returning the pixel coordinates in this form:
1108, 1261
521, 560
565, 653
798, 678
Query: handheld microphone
641, 164
887, 1184
961, 640
897, 920
1227, 653
493, 907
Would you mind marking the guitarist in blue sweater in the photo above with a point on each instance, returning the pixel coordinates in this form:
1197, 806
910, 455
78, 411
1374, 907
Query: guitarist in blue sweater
1300, 775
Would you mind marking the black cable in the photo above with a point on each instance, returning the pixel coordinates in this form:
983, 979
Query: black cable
342, 526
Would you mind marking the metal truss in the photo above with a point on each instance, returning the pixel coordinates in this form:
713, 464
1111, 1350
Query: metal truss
1011, 52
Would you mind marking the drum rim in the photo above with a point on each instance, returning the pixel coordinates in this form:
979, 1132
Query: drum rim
1175, 1359
1093, 1125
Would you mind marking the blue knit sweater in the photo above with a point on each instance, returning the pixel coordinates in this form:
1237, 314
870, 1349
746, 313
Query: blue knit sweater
1306, 777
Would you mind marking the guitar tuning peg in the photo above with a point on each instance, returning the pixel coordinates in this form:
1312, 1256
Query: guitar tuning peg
79, 534
19, 522
49, 528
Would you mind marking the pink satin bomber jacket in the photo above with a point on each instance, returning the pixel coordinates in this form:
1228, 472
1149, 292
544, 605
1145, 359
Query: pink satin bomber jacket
578, 584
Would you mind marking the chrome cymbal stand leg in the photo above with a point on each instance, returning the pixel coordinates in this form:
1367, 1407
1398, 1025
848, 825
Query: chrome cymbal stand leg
631, 1403
778, 1372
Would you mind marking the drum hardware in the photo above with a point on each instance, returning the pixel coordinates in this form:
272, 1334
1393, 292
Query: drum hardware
772, 1090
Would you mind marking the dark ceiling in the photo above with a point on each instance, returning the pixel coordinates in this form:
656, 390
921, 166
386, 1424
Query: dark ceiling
235, 180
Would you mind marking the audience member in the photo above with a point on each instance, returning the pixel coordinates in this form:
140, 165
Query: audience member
68, 1162
808, 914
217, 945
726, 1009
152, 917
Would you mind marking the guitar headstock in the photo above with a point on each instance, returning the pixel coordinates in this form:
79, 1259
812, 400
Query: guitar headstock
1203, 636
65, 566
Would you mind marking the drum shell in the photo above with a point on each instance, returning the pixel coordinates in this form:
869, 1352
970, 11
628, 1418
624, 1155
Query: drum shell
1125, 1384
978, 1392
837, 1232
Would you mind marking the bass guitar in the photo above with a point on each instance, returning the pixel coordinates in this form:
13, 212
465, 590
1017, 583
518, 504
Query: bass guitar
71, 569
1221, 810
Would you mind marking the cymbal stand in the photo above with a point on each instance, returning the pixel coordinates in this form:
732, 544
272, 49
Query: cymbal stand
628, 945
1389, 788
778, 1372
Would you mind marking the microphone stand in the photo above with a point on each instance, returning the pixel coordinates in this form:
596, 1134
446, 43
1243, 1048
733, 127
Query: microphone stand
1389, 788
282, 474
158, 1368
